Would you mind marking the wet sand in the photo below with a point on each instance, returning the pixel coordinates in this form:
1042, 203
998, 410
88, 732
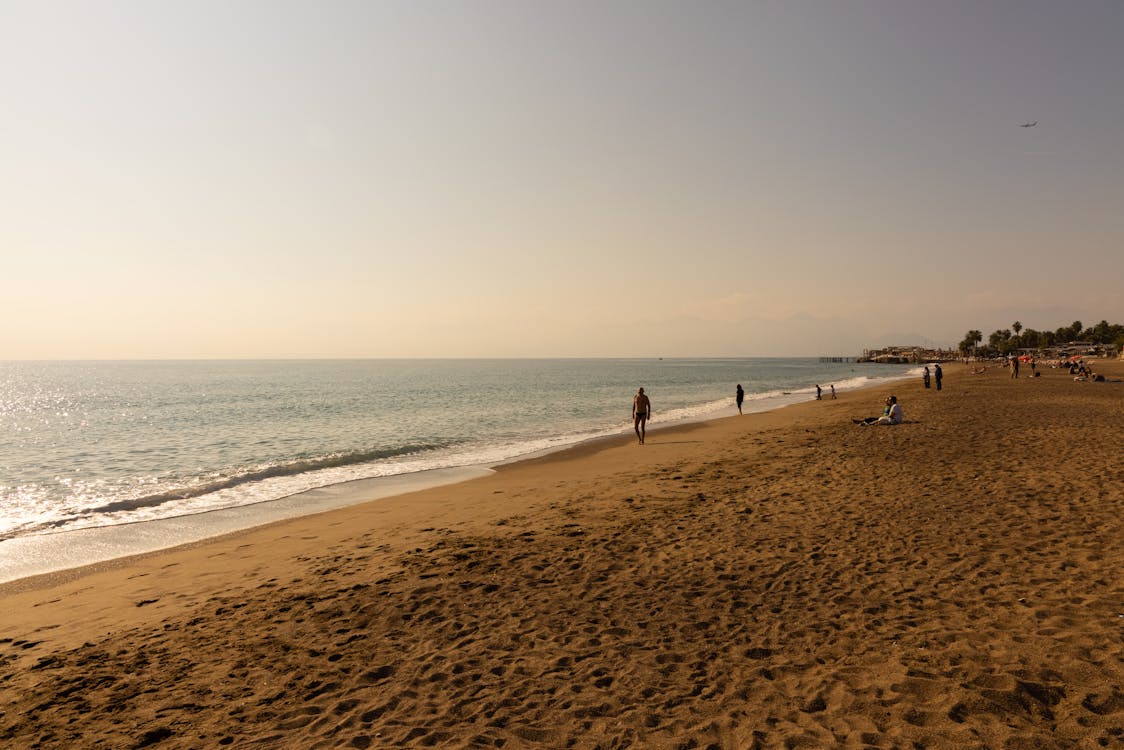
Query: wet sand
779, 580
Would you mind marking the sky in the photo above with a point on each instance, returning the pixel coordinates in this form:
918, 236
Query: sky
554, 179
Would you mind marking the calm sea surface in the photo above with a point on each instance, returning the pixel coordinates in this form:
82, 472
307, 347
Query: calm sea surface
104, 443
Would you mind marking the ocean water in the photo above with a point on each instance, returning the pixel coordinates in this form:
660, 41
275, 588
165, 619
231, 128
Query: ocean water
95, 444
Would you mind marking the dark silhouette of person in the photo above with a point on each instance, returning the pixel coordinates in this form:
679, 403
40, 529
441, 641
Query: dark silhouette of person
740, 396
937, 375
641, 413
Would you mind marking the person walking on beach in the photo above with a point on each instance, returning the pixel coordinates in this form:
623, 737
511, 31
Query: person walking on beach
925, 377
937, 375
833, 391
1014, 366
819, 392
740, 396
641, 413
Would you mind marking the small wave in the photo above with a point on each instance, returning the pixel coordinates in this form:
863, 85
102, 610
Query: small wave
862, 381
290, 468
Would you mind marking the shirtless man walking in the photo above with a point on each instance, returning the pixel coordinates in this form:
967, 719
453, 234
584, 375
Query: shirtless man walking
641, 412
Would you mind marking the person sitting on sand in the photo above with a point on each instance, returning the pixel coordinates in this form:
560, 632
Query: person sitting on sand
872, 420
896, 415
892, 414
641, 413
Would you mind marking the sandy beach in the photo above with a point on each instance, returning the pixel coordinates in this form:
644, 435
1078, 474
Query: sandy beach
778, 580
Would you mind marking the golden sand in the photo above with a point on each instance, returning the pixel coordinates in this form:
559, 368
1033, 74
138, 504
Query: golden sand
774, 580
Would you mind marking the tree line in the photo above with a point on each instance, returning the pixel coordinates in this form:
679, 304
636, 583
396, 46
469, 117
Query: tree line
1008, 340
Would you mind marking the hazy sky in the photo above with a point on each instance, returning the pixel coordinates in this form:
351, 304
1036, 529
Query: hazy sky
402, 179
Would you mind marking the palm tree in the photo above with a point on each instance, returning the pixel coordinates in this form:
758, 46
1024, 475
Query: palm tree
977, 338
997, 338
971, 341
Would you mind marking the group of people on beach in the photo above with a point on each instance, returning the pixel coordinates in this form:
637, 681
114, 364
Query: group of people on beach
642, 409
1077, 367
937, 375
1083, 373
891, 414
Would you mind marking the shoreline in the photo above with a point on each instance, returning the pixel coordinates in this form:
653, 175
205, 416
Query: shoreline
110, 539
53, 553
399, 487
143, 466
785, 579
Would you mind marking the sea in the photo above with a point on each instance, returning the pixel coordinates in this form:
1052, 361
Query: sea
100, 459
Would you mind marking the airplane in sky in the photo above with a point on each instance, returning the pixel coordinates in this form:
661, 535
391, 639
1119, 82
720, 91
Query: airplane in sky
1029, 124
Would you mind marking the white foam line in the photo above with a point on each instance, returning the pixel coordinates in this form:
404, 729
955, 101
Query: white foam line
25, 556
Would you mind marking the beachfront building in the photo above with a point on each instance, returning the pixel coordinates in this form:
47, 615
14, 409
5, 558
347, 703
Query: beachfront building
907, 355
1071, 350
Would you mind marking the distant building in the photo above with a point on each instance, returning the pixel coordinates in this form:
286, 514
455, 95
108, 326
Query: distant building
907, 355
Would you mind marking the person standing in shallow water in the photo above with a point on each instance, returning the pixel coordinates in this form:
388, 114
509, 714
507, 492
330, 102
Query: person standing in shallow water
740, 396
641, 413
